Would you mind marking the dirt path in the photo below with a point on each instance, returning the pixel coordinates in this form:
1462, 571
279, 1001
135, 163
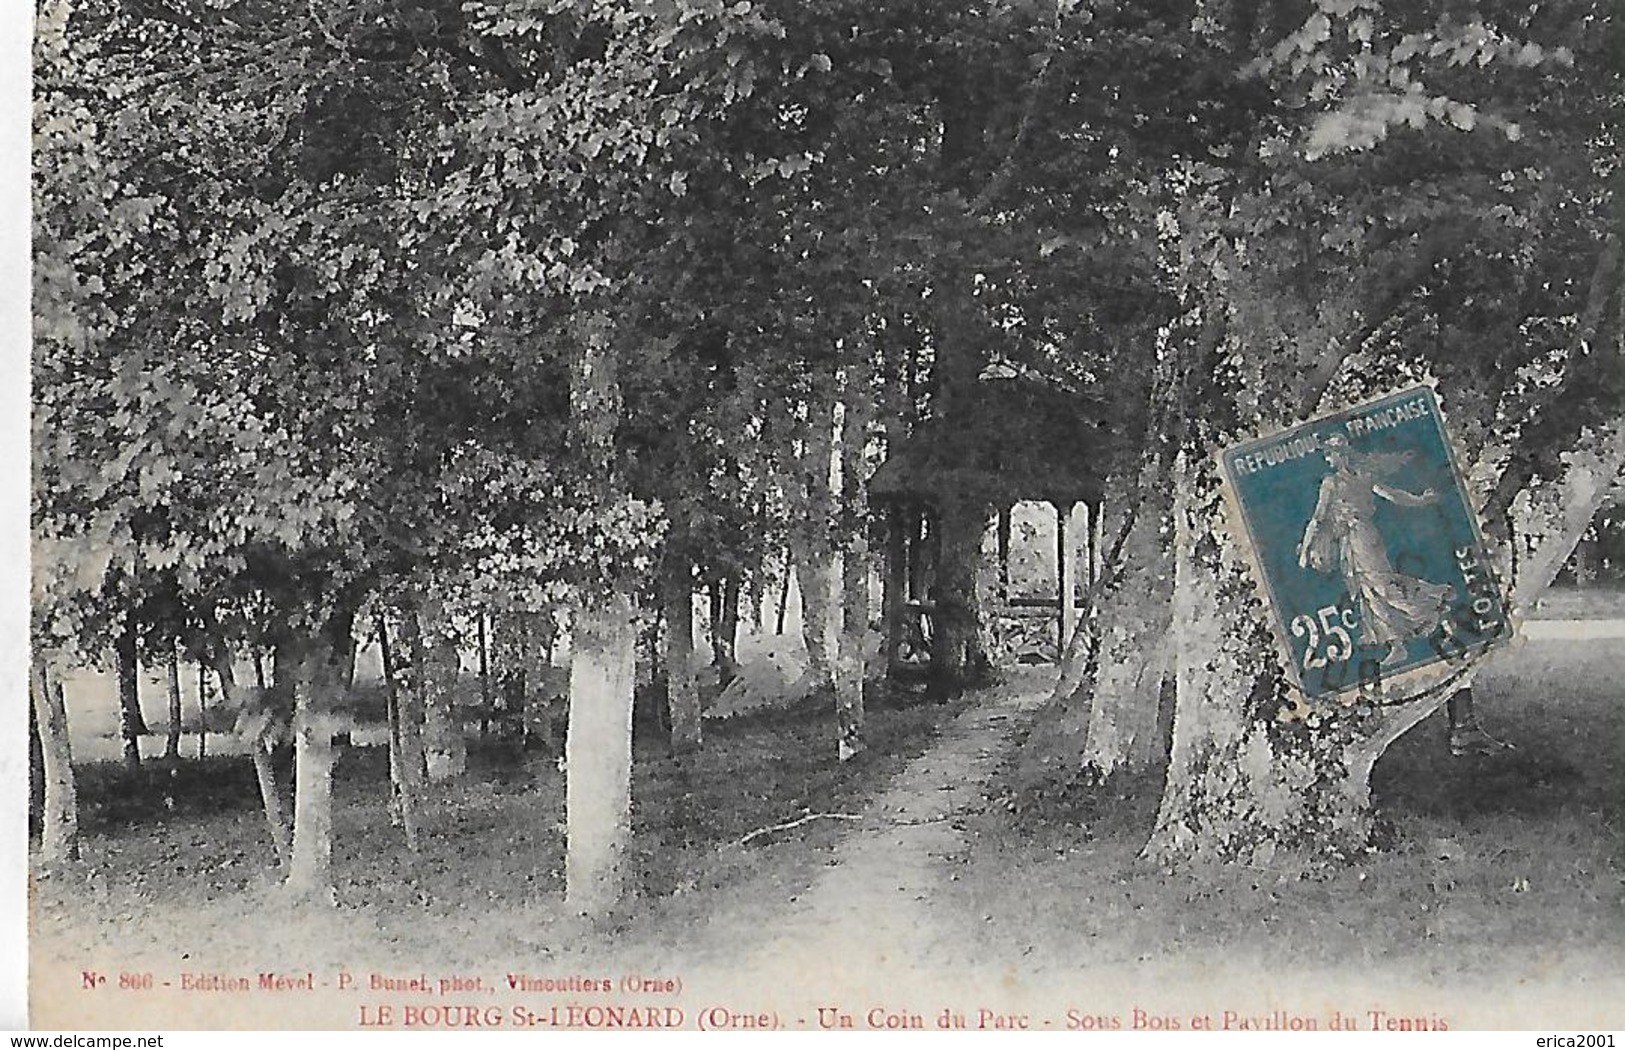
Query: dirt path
870, 910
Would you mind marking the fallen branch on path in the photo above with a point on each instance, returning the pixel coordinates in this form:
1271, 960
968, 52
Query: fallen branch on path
918, 822
787, 825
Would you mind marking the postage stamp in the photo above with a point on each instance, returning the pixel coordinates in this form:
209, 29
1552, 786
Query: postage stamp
1367, 544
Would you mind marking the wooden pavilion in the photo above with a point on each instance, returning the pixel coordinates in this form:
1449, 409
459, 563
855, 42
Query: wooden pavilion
1031, 441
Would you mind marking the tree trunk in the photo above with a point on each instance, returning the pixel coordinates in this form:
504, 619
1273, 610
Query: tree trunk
310, 865
784, 593
961, 656
1097, 537
1245, 784
962, 652
753, 596
854, 587
813, 547
725, 629
36, 769
202, 712
1135, 654
1242, 785
271, 799
483, 643
131, 724
921, 532
818, 579
59, 834
894, 591
264, 732
682, 691
598, 755
172, 739
544, 699
1104, 715
392, 722
316, 683
445, 751
409, 708
521, 652
849, 672
1066, 576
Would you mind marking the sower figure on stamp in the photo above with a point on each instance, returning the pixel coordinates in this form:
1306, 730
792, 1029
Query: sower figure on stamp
1394, 608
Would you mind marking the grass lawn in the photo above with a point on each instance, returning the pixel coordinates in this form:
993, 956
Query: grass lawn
1505, 865
1601, 600
171, 861
1504, 870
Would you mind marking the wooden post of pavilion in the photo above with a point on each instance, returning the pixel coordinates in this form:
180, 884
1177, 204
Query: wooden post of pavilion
916, 553
894, 590
1097, 538
1004, 555
1066, 577
1003, 610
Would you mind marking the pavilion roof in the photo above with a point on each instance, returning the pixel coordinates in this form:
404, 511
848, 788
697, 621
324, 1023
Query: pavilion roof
1031, 441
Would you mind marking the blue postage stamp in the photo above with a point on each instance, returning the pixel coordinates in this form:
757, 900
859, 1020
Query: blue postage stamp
1367, 544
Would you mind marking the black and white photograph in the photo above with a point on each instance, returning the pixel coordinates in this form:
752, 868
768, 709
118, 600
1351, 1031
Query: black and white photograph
1090, 516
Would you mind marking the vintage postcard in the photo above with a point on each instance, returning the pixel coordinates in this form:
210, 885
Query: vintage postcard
689, 515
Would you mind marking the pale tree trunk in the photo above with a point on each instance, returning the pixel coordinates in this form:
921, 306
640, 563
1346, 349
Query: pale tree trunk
598, 755
1255, 777
603, 661
1240, 785
265, 727
445, 751
818, 579
1136, 652
172, 738
271, 800
1104, 713
316, 683
849, 668
682, 691
310, 874
59, 835
812, 546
